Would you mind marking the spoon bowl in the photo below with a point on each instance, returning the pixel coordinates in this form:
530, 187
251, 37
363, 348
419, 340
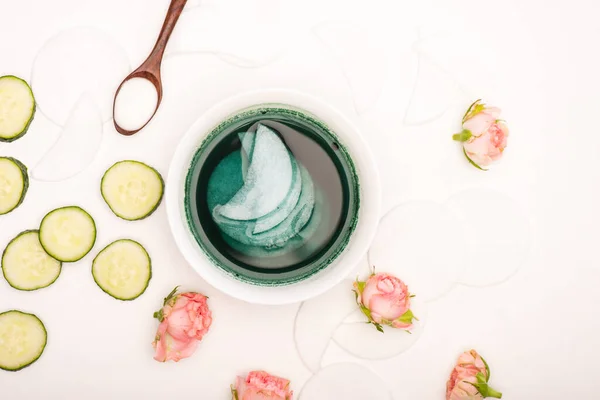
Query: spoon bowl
154, 79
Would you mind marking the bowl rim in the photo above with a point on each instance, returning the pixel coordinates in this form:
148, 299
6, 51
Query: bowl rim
369, 193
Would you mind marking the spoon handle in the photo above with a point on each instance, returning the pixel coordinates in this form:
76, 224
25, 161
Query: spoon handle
152, 63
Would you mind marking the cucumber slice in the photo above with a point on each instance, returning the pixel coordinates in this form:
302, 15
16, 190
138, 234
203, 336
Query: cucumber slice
23, 338
123, 269
14, 183
17, 108
25, 264
132, 189
68, 233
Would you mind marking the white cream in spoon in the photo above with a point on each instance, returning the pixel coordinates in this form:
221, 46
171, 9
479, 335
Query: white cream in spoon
135, 103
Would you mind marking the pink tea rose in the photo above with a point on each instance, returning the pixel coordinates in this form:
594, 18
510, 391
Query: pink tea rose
259, 385
484, 136
385, 300
469, 379
184, 320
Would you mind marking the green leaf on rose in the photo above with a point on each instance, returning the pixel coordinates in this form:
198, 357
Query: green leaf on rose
462, 136
234, 393
483, 388
480, 378
487, 369
472, 162
159, 315
361, 286
407, 317
170, 296
473, 110
366, 311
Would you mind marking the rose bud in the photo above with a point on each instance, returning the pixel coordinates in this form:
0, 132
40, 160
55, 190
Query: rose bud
385, 300
259, 385
469, 379
184, 320
484, 135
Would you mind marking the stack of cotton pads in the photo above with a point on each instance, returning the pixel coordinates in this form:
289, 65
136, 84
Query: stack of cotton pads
261, 198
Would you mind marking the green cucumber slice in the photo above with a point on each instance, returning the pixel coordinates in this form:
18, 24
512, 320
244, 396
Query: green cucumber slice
132, 189
25, 264
23, 339
123, 269
17, 108
14, 183
68, 233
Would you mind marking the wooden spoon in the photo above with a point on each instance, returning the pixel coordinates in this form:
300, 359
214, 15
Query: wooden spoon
150, 69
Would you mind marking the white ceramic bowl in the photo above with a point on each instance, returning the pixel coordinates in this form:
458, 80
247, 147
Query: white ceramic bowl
360, 240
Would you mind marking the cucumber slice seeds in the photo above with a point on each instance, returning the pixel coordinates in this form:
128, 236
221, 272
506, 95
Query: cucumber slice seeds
68, 233
132, 190
23, 339
25, 264
14, 183
17, 108
123, 269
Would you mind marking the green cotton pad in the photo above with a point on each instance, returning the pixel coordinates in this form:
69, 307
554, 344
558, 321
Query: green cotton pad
225, 181
247, 140
273, 218
244, 180
267, 181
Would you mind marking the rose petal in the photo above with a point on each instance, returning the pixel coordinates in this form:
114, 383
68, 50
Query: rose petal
369, 291
259, 385
168, 348
181, 301
388, 308
479, 159
479, 123
376, 317
178, 324
505, 132
179, 349
386, 285
494, 112
479, 149
253, 394
160, 344
468, 365
401, 325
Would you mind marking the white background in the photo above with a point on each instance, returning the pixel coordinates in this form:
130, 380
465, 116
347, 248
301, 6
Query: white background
538, 60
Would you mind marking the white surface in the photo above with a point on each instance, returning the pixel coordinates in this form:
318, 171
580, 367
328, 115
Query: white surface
77, 145
345, 381
537, 330
494, 255
75, 62
422, 242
